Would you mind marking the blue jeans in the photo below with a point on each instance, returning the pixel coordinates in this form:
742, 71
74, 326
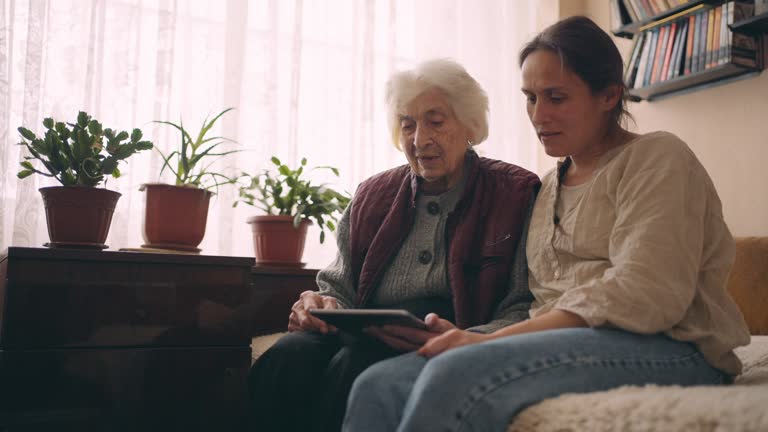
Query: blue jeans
482, 387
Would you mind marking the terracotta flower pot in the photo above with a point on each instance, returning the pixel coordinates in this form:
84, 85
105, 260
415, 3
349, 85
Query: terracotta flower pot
276, 241
78, 216
175, 216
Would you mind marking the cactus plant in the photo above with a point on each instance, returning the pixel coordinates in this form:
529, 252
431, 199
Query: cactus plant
76, 154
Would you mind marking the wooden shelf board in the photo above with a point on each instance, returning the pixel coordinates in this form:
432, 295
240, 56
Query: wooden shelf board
753, 26
708, 78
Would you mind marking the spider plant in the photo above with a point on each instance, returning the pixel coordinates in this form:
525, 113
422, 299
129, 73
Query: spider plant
188, 161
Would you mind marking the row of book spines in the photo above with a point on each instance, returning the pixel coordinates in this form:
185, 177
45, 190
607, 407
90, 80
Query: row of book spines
692, 44
643, 10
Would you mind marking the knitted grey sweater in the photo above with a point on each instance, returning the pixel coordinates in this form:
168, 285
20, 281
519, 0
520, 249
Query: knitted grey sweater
419, 269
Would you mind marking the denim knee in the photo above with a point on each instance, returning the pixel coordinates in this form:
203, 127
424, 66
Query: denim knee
371, 381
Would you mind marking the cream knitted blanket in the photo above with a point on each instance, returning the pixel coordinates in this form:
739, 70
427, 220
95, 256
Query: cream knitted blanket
741, 407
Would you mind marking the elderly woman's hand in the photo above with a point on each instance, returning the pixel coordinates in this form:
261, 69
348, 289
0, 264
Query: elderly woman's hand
408, 338
300, 318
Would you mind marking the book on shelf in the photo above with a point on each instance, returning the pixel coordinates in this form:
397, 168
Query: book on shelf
646, 10
651, 55
708, 41
723, 34
681, 59
676, 61
715, 58
689, 45
643, 63
668, 51
703, 41
620, 15
661, 45
655, 10
616, 21
642, 10
698, 21
634, 16
703, 38
632, 66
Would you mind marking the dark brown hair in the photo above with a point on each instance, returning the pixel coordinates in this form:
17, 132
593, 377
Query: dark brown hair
589, 52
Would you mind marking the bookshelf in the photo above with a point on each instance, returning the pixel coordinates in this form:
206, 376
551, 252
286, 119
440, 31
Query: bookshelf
628, 30
754, 26
681, 46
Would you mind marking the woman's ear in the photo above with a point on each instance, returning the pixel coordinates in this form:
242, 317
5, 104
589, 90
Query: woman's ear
610, 96
470, 134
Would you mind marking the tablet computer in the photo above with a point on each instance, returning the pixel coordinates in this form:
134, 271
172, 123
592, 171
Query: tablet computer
355, 320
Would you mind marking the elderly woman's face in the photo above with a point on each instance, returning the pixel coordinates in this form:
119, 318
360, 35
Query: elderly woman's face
434, 141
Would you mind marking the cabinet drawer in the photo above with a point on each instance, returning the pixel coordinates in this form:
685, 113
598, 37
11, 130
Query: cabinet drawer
157, 389
85, 304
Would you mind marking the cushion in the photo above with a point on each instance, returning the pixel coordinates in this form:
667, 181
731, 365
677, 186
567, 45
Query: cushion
748, 282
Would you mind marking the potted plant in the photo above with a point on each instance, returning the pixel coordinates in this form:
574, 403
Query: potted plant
175, 215
78, 213
291, 203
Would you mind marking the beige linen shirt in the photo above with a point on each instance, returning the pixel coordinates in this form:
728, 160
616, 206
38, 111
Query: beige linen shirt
645, 249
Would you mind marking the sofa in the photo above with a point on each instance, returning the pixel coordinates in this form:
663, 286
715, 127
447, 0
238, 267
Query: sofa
741, 407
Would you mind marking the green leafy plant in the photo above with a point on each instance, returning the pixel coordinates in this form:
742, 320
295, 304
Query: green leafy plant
75, 154
189, 167
285, 192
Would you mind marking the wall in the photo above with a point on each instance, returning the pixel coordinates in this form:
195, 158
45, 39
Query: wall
726, 126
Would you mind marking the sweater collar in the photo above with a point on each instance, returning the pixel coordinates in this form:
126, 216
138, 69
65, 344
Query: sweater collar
471, 165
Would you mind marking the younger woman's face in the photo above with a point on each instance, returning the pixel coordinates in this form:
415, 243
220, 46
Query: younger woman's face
569, 119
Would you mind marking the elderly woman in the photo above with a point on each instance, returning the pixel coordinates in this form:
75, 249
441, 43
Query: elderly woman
438, 235
628, 256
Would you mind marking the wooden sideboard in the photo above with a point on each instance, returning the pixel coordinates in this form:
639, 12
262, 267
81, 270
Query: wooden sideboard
101, 340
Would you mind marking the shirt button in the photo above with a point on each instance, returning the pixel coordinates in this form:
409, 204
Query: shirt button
425, 257
557, 274
433, 208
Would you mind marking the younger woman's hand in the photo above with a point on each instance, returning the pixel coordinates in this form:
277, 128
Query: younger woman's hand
451, 339
404, 338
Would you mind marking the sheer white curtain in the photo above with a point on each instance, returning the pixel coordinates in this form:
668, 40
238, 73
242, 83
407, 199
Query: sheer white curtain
307, 78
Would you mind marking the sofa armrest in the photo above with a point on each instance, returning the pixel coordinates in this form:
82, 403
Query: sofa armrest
748, 282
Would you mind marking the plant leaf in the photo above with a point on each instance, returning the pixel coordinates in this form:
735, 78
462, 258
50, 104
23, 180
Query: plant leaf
109, 165
144, 145
24, 174
26, 133
82, 119
94, 127
206, 127
136, 136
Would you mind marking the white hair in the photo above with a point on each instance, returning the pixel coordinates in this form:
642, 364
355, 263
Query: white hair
465, 95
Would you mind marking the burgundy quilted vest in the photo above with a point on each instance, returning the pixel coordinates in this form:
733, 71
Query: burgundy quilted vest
482, 232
